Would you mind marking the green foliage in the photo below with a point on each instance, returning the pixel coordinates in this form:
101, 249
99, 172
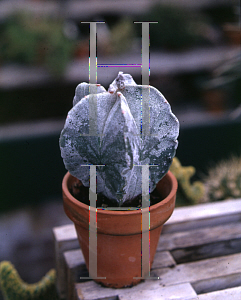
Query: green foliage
177, 27
30, 39
14, 288
188, 193
224, 180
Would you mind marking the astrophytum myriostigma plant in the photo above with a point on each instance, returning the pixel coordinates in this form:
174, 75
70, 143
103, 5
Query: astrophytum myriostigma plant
110, 135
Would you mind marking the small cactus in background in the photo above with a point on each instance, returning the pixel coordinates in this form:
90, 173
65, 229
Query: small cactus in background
224, 180
187, 193
14, 288
119, 145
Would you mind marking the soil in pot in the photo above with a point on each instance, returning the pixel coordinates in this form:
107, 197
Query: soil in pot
81, 193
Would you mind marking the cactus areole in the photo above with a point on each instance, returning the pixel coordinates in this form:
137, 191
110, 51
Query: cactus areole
106, 129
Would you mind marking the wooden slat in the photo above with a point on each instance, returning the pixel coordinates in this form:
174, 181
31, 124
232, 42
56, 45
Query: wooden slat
232, 294
163, 259
150, 289
204, 215
65, 233
205, 251
202, 243
91, 290
199, 236
177, 292
216, 273
201, 270
65, 239
75, 268
217, 283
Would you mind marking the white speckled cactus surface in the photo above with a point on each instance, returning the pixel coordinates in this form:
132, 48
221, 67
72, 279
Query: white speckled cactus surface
119, 144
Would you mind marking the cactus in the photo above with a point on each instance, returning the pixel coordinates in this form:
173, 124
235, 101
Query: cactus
187, 192
118, 144
14, 288
224, 180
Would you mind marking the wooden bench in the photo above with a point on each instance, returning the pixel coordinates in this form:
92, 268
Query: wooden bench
198, 257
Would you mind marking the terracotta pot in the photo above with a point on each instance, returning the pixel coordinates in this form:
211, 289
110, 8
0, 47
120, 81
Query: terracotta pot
119, 233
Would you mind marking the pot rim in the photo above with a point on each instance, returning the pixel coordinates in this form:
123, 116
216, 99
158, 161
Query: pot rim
125, 212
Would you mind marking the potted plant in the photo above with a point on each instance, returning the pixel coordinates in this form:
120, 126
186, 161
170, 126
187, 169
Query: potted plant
119, 149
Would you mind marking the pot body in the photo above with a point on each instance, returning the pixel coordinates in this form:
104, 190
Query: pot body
119, 233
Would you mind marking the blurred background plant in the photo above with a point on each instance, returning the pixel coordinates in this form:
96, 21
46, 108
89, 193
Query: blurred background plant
228, 76
122, 35
35, 40
14, 288
222, 87
177, 28
223, 180
188, 192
